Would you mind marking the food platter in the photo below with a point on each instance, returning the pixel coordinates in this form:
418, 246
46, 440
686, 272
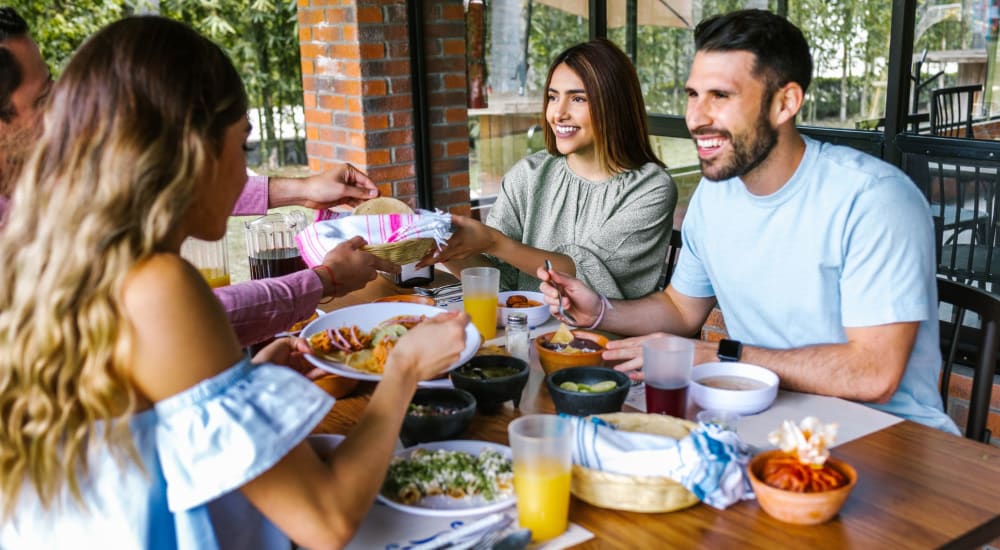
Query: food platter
365, 317
446, 506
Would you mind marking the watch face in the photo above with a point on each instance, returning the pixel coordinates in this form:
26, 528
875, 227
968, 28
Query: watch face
729, 350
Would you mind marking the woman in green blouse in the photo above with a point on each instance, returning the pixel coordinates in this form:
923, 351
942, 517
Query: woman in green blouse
597, 202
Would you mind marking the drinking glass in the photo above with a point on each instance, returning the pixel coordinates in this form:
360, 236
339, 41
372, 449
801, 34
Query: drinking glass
480, 290
542, 450
210, 257
271, 244
666, 363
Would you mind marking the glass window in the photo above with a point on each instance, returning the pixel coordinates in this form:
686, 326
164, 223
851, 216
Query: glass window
954, 83
849, 40
522, 38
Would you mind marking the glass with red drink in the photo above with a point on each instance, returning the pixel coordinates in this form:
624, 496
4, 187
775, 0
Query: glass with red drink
667, 363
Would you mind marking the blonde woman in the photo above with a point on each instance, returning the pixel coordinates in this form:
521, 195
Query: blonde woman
130, 417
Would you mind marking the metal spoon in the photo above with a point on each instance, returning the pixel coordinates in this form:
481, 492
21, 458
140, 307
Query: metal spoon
565, 314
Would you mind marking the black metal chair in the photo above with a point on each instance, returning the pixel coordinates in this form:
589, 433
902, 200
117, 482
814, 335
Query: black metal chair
974, 347
951, 110
961, 183
673, 250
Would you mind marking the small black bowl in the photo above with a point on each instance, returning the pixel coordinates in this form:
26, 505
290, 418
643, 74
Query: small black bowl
432, 427
583, 404
492, 391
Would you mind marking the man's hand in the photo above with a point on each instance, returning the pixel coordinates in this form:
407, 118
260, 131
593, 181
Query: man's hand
352, 267
626, 354
341, 185
581, 302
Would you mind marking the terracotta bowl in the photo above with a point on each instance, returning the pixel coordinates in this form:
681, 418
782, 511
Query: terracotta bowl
557, 360
800, 508
408, 298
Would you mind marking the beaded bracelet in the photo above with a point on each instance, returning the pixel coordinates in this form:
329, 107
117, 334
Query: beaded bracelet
605, 305
333, 282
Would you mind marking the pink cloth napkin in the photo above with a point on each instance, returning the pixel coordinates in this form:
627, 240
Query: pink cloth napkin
333, 228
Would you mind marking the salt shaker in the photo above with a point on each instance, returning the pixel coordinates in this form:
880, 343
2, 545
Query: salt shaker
518, 335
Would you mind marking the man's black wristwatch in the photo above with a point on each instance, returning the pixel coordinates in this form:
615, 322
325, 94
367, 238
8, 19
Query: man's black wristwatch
730, 350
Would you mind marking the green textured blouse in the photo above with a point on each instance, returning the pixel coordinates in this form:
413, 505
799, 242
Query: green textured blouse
616, 231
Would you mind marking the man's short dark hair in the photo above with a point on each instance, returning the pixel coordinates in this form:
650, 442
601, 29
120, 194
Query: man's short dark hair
11, 25
780, 48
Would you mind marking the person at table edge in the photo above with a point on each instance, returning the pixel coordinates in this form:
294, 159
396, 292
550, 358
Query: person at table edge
820, 257
257, 309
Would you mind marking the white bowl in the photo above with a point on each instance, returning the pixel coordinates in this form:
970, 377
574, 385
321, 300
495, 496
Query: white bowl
745, 388
536, 315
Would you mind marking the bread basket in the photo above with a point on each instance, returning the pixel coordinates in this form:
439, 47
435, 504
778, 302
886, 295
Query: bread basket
635, 493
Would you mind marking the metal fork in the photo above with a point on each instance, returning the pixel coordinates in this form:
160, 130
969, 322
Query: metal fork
443, 289
487, 541
563, 313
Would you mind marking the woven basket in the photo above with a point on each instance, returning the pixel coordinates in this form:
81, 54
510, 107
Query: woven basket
402, 252
635, 493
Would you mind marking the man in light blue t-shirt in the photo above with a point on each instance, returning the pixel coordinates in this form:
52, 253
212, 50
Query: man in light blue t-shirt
821, 257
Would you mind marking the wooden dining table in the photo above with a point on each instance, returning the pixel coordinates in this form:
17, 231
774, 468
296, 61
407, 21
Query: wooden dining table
917, 487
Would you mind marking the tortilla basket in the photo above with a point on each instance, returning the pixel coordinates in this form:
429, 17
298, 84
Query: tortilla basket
635, 493
402, 252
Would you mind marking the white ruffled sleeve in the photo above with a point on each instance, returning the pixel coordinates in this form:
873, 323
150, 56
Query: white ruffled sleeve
227, 430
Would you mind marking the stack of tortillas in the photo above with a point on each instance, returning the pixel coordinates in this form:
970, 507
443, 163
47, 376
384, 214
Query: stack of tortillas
400, 252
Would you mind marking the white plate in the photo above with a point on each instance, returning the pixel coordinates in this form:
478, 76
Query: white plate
319, 313
443, 505
366, 316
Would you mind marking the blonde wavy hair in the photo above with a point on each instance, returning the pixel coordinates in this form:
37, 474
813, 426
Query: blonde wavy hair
137, 117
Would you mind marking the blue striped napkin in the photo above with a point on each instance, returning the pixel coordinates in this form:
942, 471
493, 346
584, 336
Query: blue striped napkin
710, 462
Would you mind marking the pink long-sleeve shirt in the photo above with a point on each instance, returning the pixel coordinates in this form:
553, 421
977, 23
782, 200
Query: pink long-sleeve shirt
259, 309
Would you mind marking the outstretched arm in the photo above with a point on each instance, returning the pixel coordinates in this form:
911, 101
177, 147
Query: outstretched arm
341, 185
868, 367
472, 238
189, 340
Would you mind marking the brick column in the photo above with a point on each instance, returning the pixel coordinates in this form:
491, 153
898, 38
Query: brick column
357, 93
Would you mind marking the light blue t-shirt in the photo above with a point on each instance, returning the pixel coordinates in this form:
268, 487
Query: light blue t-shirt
197, 449
847, 242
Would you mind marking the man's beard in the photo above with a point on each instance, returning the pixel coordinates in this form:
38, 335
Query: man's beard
748, 150
15, 146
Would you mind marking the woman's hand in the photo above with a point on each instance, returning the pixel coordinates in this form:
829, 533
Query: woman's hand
468, 239
290, 352
430, 347
581, 302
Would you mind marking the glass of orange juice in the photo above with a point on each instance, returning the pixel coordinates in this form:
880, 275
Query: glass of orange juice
480, 288
542, 451
210, 257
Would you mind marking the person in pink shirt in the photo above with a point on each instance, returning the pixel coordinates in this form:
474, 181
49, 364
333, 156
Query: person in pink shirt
257, 309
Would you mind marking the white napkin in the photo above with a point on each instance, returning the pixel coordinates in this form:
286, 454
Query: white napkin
334, 228
710, 462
